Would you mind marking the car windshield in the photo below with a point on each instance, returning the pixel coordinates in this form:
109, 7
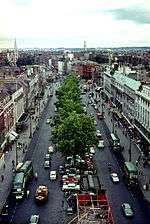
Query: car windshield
114, 175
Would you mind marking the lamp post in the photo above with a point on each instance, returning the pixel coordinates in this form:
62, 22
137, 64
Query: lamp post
16, 153
30, 135
130, 145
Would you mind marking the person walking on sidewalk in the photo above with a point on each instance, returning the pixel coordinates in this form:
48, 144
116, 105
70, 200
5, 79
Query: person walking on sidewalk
13, 162
2, 177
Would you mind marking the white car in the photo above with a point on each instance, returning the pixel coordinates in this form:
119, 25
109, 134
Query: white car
95, 122
47, 156
48, 121
50, 149
53, 175
98, 134
101, 144
96, 107
92, 150
114, 177
34, 219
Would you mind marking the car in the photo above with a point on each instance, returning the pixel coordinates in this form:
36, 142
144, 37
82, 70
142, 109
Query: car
69, 210
127, 210
48, 121
34, 219
101, 144
47, 164
114, 177
95, 122
98, 134
50, 149
47, 157
53, 175
84, 109
100, 116
41, 194
96, 107
61, 170
92, 150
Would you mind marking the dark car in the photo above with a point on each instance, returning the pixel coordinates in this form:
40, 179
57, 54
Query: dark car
61, 170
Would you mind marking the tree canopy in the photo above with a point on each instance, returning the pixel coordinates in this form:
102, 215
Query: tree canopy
74, 131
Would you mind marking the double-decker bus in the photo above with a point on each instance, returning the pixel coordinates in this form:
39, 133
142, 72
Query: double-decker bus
115, 142
23, 174
130, 174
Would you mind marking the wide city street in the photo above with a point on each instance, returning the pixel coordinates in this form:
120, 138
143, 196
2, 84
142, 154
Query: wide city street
53, 212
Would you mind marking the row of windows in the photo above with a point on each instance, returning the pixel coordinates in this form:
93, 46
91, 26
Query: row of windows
143, 115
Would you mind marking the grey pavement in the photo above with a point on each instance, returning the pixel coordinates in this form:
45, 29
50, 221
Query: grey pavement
7, 170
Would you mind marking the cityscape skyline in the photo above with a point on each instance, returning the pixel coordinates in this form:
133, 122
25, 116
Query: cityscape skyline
48, 24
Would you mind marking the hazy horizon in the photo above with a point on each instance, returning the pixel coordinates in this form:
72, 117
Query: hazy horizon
66, 23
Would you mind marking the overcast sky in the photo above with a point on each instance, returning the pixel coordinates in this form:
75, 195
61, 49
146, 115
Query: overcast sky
67, 23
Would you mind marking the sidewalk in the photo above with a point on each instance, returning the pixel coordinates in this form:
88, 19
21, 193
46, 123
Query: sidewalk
6, 171
144, 172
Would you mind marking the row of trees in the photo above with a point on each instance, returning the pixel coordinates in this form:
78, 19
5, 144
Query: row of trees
74, 131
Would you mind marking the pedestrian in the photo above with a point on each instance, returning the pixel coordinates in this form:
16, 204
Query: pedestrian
13, 162
28, 192
62, 203
136, 162
4, 166
2, 177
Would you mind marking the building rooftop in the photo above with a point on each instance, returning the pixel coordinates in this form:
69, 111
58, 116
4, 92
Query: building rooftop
126, 81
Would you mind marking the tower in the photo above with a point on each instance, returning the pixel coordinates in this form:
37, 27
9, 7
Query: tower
15, 52
85, 48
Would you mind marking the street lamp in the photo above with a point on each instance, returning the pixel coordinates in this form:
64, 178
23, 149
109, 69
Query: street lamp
16, 153
30, 135
130, 145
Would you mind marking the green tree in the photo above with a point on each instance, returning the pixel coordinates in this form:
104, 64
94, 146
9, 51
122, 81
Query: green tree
75, 134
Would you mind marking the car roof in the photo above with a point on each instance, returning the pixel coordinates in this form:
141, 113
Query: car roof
34, 218
53, 172
126, 205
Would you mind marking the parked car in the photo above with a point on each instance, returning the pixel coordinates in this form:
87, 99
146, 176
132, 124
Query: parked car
48, 121
127, 210
50, 149
69, 210
35, 219
53, 175
100, 116
98, 134
101, 144
114, 177
92, 150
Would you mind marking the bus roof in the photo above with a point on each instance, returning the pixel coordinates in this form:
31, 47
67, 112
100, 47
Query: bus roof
131, 166
25, 166
19, 177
